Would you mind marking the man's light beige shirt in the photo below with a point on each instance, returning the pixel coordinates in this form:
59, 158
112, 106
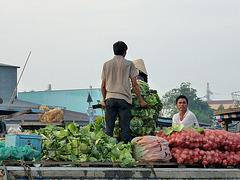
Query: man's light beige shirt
117, 74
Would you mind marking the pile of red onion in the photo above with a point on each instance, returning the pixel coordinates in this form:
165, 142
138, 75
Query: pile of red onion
186, 138
211, 147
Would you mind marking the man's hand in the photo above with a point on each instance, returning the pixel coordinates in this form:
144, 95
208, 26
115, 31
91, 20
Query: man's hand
103, 105
143, 104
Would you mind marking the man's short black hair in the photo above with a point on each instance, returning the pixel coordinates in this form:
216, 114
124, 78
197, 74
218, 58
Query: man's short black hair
181, 96
119, 48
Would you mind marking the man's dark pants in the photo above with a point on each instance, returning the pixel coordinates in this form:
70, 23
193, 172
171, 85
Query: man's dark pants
121, 108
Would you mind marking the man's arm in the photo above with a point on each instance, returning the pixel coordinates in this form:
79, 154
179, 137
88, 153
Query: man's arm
104, 92
138, 93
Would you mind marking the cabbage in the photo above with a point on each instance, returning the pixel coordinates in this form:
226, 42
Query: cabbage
79, 144
144, 120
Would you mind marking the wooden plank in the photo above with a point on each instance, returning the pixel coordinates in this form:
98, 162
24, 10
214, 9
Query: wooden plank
39, 123
226, 111
15, 114
7, 111
61, 163
115, 164
122, 173
91, 164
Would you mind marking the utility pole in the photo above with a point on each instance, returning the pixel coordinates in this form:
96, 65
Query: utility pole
208, 93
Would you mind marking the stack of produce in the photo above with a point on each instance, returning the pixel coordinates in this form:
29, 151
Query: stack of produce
232, 142
211, 147
186, 155
144, 120
214, 139
83, 144
230, 158
151, 148
185, 138
177, 136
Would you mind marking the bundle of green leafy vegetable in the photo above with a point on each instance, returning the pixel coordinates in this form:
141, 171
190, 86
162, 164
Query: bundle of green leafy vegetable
180, 128
83, 144
144, 120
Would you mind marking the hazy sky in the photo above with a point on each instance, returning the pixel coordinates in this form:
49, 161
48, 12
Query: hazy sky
196, 41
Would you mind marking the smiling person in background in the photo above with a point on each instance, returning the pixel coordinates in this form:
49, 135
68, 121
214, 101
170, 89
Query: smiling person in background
185, 116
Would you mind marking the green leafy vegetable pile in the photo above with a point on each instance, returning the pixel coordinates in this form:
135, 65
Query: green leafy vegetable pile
180, 128
144, 120
83, 144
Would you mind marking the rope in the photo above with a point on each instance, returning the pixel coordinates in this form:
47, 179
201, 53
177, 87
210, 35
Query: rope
152, 169
27, 169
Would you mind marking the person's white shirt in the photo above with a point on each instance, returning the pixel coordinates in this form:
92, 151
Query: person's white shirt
188, 120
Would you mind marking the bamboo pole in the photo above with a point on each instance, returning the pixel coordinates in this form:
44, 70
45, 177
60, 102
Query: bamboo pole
19, 79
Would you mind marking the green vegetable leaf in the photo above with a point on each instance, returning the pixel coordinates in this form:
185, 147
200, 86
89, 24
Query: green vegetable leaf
200, 130
83, 147
73, 128
178, 127
191, 127
167, 131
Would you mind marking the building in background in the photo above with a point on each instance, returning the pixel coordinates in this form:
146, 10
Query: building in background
72, 100
222, 104
226, 104
8, 83
8, 80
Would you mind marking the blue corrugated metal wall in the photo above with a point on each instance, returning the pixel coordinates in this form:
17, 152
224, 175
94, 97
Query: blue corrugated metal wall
73, 100
8, 81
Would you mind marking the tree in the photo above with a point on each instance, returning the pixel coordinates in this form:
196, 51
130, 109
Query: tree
220, 107
201, 109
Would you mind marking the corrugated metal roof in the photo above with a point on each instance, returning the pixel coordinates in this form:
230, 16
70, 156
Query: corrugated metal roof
19, 104
9, 111
68, 115
7, 65
220, 102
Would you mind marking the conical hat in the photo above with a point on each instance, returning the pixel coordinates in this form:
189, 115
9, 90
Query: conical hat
139, 64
